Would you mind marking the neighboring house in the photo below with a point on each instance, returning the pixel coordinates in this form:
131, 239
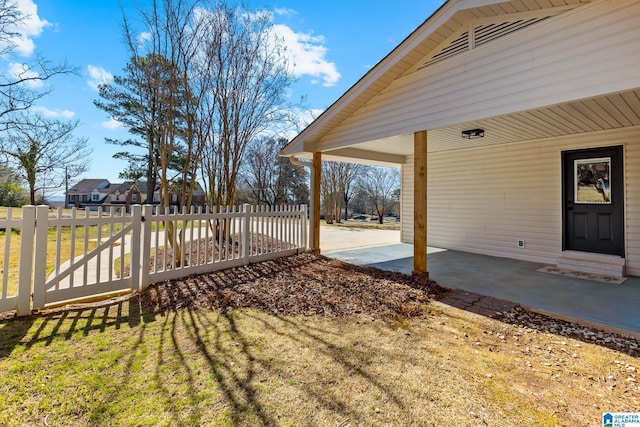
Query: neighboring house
94, 193
516, 125
87, 191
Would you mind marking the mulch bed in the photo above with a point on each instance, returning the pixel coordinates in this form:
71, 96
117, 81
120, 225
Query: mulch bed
304, 284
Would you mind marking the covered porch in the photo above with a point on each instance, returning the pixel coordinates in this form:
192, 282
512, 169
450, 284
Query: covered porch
502, 116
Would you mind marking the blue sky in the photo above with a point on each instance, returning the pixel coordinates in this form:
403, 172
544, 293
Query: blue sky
334, 42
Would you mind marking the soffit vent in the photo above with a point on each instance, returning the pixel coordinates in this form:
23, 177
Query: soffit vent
482, 34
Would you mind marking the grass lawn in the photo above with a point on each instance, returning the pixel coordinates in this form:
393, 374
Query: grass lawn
119, 365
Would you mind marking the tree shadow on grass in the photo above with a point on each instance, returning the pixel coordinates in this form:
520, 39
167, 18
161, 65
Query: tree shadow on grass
13, 332
101, 411
52, 324
243, 369
215, 350
355, 362
235, 377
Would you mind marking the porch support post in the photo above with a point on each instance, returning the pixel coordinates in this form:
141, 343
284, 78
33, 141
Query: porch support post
316, 172
420, 203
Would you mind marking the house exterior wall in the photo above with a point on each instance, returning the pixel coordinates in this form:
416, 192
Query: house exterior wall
483, 200
590, 51
406, 200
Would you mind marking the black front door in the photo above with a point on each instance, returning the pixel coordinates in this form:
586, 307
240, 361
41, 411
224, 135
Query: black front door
593, 194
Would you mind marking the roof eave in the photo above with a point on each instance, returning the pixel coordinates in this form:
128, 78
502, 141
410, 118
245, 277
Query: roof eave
432, 23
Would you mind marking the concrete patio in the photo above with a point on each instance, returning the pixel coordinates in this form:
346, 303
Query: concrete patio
614, 307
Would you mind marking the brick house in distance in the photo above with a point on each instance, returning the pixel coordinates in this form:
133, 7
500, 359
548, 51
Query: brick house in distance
95, 193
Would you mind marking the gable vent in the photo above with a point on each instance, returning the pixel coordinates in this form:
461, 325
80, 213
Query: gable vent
457, 46
482, 34
487, 33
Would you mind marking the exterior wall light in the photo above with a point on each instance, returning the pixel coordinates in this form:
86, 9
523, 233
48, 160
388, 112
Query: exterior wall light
473, 133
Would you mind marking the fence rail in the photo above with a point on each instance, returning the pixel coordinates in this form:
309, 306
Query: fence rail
53, 259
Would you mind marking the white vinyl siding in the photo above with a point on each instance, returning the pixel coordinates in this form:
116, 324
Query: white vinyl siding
632, 202
483, 200
406, 201
588, 52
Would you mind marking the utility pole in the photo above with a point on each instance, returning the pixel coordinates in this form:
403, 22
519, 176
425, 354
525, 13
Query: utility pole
66, 187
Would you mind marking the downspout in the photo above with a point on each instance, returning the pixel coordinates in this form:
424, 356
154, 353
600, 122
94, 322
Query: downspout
311, 167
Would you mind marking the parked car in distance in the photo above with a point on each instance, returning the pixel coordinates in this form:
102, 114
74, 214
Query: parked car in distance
358, 216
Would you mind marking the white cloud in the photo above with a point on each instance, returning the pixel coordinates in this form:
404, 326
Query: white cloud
47, 112
144, 37
31, 26
112, 124
284, 11
307, 55
22, 71
98, 76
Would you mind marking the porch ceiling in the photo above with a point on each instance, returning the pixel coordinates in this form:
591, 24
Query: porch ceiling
608, 112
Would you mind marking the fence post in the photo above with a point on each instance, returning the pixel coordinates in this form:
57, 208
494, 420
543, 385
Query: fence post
134, 264
304, 223
41, 246
27, 231
246, 251
145, 246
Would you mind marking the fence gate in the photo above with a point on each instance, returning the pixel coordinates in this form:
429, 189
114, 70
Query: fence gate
99, 257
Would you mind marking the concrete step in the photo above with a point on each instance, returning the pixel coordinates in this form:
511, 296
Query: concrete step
607, 265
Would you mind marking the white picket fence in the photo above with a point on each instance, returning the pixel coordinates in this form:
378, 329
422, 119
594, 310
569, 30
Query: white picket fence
98, 254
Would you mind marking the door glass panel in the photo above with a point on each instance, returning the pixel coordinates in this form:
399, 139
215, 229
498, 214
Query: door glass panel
592, 181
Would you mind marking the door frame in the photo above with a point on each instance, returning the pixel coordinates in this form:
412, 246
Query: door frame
566, 196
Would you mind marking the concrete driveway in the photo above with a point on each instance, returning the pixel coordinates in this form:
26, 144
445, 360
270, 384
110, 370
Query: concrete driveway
339, 238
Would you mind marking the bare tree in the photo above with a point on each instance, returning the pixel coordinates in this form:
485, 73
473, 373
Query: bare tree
380, 185
21, 89
204, 79
272, 179
163, 62
36, 147
330, 191
336, 188
348, 179
249, 78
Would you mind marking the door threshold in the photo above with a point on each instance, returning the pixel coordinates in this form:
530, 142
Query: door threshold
589, 262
